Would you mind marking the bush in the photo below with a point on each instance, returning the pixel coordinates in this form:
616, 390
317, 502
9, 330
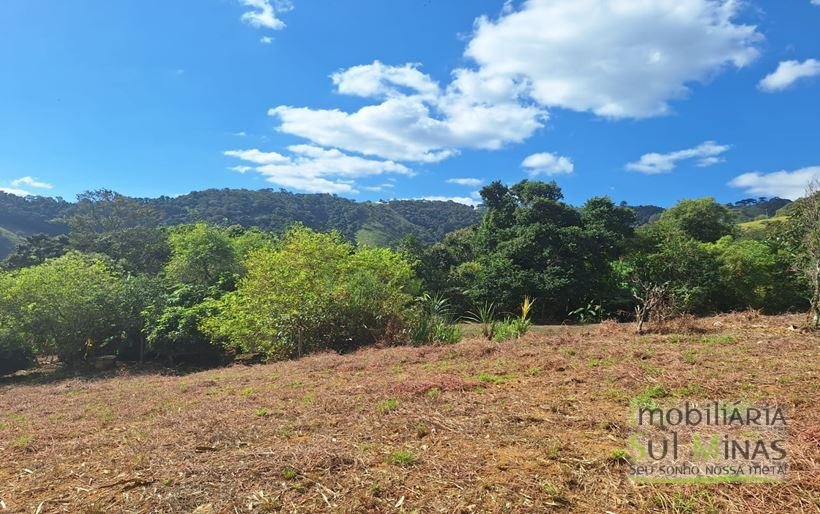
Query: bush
310, 292
69, 305
433, 322
510, 328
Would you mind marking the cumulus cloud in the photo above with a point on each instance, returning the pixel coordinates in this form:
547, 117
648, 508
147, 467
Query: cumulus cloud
31, 182
264, 13
378, 80
257, 156
415, 119
614, 58
546, 163
705, 154
789, 72
471, 182
266, 40
785, 184
314, 169
15, 191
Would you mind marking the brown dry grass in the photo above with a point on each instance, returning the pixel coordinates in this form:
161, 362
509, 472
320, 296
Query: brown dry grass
523, 426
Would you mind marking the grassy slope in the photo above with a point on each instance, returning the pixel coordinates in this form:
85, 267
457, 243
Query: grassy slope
516, 427
761, 224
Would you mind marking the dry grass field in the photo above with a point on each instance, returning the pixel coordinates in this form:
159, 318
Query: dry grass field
525, 426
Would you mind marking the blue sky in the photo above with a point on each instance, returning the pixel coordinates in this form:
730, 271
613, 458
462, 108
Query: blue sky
644, 101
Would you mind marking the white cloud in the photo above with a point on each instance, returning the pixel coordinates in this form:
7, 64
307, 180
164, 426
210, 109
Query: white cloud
707, 154
815, 2
314, 169
31, 182
458, 199
377, 80
616, 58
266, 40
546, 163
471, 182
379, 187
789, 72
416, 120
264, 13
257, 156
15, 191
785, 184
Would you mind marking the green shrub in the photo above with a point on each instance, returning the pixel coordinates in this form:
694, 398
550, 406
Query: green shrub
313, 291
433, 322
69, 305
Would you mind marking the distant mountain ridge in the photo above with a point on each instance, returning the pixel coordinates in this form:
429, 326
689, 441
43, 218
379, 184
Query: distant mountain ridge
374, 223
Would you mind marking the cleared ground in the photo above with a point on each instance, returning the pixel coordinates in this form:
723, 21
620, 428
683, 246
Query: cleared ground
523, 426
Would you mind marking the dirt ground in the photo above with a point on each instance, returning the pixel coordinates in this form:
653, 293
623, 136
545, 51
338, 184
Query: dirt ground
532, 425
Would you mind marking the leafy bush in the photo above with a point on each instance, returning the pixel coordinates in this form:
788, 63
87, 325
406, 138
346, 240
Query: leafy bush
313, 291
69, 305
173, 327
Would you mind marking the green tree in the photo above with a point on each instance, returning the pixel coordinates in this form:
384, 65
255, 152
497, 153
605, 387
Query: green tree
532, 244
68, 305
703, 219
202, 255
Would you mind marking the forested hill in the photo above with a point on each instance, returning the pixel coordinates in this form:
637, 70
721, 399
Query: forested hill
381, 223
366, 222
749, 209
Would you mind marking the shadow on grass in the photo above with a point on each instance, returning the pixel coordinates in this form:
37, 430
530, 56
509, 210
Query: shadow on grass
51, 373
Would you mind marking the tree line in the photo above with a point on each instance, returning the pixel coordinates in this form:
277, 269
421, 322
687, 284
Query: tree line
121, 282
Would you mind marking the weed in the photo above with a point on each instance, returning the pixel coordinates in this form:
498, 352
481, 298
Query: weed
402, 458
308, 399
619, 455
552, 491
262, 412
433, 393
690, 390
24, 441
648, 396
387, 406
531, 372
487, 378
247, 392
554, 451
422, 430
690, 356
289, 473
715, 340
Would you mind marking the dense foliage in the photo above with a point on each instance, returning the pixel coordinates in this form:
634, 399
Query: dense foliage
205, 276
314, 291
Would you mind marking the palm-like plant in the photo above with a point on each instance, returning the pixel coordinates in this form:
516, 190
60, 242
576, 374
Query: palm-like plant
484, 315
